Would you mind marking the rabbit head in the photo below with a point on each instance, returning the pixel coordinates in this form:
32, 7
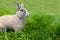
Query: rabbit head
21, 11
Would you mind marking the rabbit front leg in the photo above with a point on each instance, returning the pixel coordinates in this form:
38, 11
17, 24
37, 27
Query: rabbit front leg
16, 27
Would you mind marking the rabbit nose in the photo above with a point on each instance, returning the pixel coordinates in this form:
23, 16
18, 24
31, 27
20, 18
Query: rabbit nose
27, 13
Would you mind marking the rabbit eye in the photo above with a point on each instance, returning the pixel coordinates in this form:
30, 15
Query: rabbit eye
21, 10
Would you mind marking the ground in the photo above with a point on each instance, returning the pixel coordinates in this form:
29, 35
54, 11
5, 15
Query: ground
43, 22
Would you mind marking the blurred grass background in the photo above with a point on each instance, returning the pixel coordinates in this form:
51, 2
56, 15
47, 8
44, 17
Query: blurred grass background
43, 22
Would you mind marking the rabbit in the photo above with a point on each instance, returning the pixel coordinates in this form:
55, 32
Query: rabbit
16, 21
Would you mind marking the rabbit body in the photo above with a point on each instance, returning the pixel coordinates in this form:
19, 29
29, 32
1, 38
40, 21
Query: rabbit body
15, 22
11, 21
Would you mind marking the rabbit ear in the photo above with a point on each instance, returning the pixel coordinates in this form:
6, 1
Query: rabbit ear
17, 6
22, 5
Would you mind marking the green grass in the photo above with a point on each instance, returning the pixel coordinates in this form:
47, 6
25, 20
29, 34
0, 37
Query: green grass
43, 22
